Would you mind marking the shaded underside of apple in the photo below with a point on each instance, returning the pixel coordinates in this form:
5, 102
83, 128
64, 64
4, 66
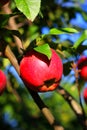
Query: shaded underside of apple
39, 73
82, 66
83, 72
82, 62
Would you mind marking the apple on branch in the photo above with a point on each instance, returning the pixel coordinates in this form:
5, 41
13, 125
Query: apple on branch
40, 73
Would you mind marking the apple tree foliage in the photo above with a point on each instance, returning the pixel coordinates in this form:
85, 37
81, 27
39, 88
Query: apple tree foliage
41, 24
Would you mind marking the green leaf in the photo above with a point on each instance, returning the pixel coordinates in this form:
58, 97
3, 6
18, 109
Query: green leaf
44, 49
55, 31
69, 30
80, 40
67, 53
30, 8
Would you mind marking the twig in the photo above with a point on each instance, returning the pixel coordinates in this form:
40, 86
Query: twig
45, 110
76, 71
71, 101
13, 26
61, 53
9, 54
78, 110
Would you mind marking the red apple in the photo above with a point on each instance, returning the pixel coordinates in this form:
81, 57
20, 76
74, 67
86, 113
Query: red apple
2, 81
85, 95
82, 66
39, 73
82, 62
83, 73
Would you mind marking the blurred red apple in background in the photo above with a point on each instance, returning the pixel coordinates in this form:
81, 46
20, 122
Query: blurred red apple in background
39, 73
83, 73
2, 81
82, 66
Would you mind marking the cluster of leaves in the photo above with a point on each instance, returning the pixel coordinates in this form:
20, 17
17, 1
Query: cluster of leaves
18, 111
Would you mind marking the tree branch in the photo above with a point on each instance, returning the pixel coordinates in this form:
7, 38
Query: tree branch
74, 106
13, 26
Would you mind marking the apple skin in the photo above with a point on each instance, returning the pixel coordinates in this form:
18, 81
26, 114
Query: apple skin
2, 82
83, 73
82, 66
39, 73
85, 95
3, 2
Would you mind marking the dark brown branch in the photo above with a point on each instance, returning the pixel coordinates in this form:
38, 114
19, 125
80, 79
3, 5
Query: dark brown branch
9, 54
45, 110
13, 26
71, 101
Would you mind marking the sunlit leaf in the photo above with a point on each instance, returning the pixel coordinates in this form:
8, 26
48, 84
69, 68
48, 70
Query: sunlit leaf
30, 8
55, 31
80, 40
44, 49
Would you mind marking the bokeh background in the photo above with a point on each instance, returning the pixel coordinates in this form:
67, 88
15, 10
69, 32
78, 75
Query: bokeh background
18, 111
